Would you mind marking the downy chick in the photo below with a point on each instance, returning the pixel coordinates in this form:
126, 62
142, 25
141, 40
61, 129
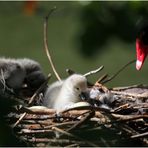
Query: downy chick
34, 76
12, 73
17, 72
62, 94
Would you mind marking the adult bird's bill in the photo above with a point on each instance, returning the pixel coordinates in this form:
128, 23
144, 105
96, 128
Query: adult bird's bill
142, 46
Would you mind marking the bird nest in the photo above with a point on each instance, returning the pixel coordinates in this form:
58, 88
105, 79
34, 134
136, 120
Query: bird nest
116, 117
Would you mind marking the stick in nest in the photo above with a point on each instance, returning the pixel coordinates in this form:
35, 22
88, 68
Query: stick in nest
46, 44
94, 71
122, 68
32, 99
85, 118
74, 136
49, 55
70, 71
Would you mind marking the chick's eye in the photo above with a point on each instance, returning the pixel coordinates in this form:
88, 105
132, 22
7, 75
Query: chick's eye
77, 88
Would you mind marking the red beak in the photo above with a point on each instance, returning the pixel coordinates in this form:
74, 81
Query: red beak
142, 51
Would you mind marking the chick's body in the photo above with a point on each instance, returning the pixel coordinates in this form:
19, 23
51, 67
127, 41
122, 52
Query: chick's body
62, 94
14, 73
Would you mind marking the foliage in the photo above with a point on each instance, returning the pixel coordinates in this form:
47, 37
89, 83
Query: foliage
104, 20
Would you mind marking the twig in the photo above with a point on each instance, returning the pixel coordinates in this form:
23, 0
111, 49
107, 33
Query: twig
127, 129
44, 121
131, 131
120, 107
140, 135
73, 145
69, 71
35, 126
28, 131
62, 131
128, 87
61, 124
128, 117
46, 44
19, 120
39, 90
94, 71
113, 76
102, 78
71, 135
38, 110
87, 117
143, 95
57, 141
31, 100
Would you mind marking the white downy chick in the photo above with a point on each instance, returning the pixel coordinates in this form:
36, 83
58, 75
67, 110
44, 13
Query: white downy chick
61, 95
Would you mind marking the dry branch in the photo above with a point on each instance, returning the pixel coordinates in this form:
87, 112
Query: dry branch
113, 76
94, 71
46, 44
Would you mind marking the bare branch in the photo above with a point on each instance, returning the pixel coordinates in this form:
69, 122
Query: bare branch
70, 71
122, 68
46, 44
94, 71
72, 135
20, 119
102, 78
87, 117
39, 90
140, 135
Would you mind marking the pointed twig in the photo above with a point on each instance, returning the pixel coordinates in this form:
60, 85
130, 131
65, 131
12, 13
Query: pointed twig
39, 90
72, 135
94, 71
102, 78
140, 135
69, 71
128, 87
20, 119
79, 123
46, 44
113, 76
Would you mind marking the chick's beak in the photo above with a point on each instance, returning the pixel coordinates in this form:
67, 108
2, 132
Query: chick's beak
83, 96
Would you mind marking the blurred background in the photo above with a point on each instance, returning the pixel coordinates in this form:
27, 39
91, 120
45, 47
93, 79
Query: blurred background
82, 36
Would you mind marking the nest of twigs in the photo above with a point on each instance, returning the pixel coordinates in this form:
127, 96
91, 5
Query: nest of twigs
121, 122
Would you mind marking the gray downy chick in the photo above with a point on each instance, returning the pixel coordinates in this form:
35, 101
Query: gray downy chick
17, 72
34, 76
12, 73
